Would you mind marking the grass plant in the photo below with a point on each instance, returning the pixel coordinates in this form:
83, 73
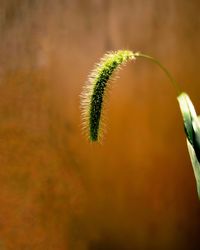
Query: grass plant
94, 94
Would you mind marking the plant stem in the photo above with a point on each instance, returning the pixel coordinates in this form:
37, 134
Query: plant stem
173, 82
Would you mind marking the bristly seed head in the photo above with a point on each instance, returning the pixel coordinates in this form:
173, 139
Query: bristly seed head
92, 98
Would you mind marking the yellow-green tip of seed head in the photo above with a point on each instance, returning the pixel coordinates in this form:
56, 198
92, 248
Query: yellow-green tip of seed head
92, 98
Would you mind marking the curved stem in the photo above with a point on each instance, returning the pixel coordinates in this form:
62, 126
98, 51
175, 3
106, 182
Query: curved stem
174, 83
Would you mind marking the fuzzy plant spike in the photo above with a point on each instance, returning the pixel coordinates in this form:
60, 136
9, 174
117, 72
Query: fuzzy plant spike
92, 98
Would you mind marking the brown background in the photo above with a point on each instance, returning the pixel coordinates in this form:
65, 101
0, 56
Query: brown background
136, 190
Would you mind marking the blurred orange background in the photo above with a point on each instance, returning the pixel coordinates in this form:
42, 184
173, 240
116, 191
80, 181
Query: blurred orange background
136, 190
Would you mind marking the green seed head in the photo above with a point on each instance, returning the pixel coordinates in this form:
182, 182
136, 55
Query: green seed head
92, 98
92, 102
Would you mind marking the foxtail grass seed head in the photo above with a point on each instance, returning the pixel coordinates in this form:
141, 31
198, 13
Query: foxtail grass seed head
93, 95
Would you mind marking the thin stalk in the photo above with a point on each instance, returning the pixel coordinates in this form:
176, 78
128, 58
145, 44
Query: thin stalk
173, 82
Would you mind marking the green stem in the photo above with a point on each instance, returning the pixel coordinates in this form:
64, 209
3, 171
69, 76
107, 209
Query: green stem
174, 83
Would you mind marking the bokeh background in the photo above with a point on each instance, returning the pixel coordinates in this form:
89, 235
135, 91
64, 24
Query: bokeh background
136, 190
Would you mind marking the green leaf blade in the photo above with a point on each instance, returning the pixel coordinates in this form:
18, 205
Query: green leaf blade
188, 114
192, 130
195, 165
